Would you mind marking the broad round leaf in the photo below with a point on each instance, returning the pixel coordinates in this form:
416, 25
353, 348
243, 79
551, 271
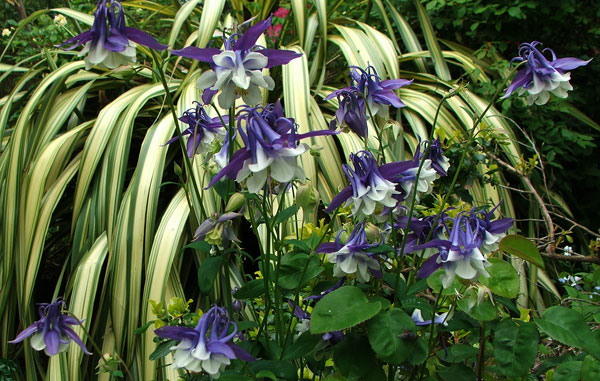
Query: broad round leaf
503, 279
564, 325
385, 333
522, 248
515, 347
343, 308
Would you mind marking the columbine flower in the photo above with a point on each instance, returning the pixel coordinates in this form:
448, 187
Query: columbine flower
352, 257
110, 43
5, 32
204, 131
208, 346
217, 230
351, 111
371, 185
568, 251
540, 77
366, 84
237, 70
52, 333
270, 148
438, 319
472, 237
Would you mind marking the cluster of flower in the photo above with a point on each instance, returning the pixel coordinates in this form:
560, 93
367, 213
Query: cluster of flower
270, 150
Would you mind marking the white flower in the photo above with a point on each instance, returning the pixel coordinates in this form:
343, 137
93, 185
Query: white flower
5, 32
60, 20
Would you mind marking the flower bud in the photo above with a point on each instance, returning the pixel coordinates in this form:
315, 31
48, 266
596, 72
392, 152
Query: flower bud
373, 232
236, 201
307, 196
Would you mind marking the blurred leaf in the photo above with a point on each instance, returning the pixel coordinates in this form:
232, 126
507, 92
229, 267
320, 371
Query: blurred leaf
385, 333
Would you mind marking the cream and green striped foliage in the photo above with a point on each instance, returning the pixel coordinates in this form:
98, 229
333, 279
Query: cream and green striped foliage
126, 235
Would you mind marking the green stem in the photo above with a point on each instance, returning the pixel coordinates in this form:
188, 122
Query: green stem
171, 104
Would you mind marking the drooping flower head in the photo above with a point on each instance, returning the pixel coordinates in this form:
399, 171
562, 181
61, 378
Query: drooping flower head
270, 148
217, 230
366, 84
208, 346
541, 76
369, 185
204, 131
352, 257
52, 333
110, 43
472, 237
351, 111
237, 70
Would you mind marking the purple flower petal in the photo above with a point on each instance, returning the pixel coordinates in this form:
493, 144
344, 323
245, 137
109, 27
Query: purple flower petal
52, 341
569, 63
25, 333
200, 54
241, 353
69, 332
429, 267
278, 57
339, 199
144, 38
248, 39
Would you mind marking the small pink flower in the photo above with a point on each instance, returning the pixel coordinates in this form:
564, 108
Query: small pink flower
274, 30
281, 12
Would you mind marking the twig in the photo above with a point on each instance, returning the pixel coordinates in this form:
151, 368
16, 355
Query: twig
571, 258
545, 213
560, 215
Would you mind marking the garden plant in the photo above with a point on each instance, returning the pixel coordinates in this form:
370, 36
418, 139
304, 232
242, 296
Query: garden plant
284, 190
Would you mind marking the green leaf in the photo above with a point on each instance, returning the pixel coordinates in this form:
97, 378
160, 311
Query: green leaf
515, 347
305, 344
285, 214
292, 273
281, 369
522, 248
564, 324
457, 372
385, 331
202, 246
354, 357
567, 371
250, 290
144, 328
207, 273
503, 279
340, 309
457, 353
162, 350
590, 369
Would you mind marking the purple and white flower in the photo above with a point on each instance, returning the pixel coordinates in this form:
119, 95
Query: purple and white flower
417, 317
208, 346
353, 256
366, 84
237, 70
217, 230
109, 43
52, 333
205, 132
541, 76
472, 237
271, 148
